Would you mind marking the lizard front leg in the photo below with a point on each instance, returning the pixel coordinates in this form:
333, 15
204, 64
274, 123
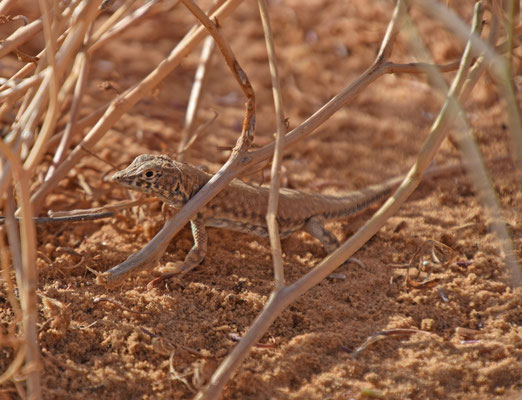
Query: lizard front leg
195, 256
198, 252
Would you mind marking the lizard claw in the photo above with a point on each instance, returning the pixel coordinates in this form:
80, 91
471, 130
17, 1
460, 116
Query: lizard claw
170, 270
155, 282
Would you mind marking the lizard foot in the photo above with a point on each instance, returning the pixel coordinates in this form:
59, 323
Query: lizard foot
156, 282
341, 276
170, 270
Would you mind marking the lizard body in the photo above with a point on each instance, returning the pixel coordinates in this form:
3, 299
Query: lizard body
242, 207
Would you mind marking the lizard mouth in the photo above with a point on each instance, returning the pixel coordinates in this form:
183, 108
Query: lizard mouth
133, 184
119, 178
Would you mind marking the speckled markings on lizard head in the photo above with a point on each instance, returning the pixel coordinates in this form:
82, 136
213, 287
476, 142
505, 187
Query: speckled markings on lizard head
242, 207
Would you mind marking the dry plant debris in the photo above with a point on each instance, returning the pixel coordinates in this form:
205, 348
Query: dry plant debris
82, 82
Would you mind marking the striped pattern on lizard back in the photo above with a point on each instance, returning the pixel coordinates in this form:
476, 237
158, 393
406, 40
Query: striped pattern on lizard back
240, 206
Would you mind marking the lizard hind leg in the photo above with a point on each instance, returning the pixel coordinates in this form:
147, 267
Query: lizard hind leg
316, 228
330, 243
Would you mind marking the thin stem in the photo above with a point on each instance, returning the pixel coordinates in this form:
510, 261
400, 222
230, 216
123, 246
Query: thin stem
51, 116
213, 28
27, 282
83, 62
275, 180
20, 36
195, 96
498, 66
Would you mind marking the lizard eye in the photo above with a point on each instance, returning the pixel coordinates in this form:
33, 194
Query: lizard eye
149, 174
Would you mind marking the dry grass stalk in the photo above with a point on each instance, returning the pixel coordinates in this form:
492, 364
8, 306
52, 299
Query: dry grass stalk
55, 75
52, 78
188, 134
20, 36
500, 66
23, 253
63, 44
35, 102
275, 174
82, 64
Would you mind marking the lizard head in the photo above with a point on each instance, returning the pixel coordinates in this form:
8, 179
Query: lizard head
169, 180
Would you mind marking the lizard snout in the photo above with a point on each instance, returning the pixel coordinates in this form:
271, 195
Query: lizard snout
117, 177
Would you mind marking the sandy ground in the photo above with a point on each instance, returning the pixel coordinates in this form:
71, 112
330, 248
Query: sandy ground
100, 349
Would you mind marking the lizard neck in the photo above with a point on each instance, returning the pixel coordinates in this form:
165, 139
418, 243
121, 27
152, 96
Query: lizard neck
191, 181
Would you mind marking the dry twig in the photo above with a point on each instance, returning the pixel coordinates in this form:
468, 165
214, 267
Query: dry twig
26, 277
188, 135
271, 216
45, 93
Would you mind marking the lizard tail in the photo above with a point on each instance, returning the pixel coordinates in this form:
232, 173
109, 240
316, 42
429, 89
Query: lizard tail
359, 200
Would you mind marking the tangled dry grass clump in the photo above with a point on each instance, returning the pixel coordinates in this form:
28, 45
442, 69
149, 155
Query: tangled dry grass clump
51, 122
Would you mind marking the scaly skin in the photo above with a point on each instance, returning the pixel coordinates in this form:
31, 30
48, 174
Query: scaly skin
242, 207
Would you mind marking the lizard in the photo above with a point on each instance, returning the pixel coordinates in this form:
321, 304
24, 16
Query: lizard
241, 206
